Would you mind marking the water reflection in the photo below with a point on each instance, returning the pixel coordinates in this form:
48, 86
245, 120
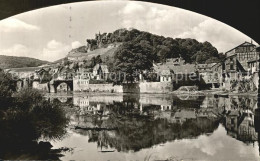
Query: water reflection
119, 124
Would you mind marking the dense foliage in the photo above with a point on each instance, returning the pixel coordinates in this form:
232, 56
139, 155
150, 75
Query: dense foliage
26, 116
133, 57
140, 49
7, 86
162, 48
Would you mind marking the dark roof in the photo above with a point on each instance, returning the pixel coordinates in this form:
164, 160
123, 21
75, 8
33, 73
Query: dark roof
215, 64
210, 65
230, 56
187, 68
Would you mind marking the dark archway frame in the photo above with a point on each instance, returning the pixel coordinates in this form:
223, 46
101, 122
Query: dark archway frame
240, 14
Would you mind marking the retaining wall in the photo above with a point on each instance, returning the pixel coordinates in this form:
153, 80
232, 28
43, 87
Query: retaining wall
155, 87
39, 86
98, 88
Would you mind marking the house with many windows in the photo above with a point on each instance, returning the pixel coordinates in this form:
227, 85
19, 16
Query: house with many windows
204, 68
244, 53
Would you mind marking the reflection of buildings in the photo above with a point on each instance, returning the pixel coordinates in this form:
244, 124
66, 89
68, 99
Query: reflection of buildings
85, 101
208, 102
167, 118
246, 129
183, 115
156, 100
240, 125
81, 101
228, 103
95, 104
85, 106
257, 123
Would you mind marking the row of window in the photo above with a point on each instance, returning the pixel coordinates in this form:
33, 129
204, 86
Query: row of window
166, 79
83, 82
251, 55
244, 49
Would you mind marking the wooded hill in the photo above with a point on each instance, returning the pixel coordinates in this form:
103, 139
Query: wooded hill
160, 48
19, 62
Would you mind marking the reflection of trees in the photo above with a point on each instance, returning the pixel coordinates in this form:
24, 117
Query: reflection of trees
144, 125
137, 129
137, 133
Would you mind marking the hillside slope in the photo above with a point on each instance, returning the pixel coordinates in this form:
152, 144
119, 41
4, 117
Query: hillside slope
103, 52
19, 62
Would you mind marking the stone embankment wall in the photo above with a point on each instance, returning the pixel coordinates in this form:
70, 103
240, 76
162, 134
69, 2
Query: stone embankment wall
98, 88
40, 86
155, 87
131, 88
143, 87
148, 87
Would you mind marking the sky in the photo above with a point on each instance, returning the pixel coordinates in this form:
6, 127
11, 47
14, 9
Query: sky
50, 33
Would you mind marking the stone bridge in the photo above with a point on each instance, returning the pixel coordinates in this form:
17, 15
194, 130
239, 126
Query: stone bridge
60, 85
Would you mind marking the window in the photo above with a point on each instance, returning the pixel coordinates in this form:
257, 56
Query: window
232, 120
231, 66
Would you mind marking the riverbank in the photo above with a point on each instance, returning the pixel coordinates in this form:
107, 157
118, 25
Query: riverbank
225, 93
176, 92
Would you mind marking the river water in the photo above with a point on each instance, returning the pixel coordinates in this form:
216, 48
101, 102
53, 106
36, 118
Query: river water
158, 127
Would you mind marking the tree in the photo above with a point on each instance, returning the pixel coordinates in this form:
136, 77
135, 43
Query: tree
28, 98
201, 57
66, 61
131, 58
7, 87
163, 53
98, 59
92, 62
76, 67
212, 60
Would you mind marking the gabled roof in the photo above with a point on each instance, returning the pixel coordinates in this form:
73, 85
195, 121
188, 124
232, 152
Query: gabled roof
243, 44
210, 65
230, 56
216, 64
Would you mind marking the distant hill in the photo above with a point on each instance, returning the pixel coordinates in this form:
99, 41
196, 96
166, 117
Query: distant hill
19, 62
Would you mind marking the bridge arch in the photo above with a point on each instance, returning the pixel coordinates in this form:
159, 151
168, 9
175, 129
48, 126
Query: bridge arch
61, 86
